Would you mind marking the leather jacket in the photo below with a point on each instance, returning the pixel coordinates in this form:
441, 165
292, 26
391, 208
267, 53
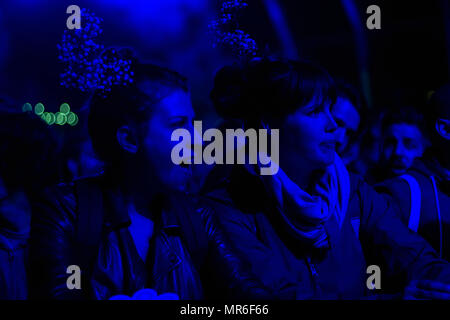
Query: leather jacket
188, 253
371, 234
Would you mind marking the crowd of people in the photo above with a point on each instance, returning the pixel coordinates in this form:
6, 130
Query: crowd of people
355, 188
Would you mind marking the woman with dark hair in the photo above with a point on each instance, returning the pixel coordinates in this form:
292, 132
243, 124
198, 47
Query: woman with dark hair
133, 227
349, 113
302, 229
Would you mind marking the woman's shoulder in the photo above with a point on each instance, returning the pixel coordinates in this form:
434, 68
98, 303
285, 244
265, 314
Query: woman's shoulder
365, 200
224, 209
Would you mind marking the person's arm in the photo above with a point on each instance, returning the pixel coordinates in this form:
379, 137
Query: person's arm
399, 193
403, 254
227, 267
51, 244
238, 246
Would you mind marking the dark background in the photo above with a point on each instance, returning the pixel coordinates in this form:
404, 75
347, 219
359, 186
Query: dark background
405, 59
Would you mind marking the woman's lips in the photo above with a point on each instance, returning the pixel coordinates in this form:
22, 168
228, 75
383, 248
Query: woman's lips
329, 145
186, 168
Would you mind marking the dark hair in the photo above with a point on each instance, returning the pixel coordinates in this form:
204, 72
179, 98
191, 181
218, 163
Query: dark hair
128, 104
348, 92
28, 150
439, 105
266, 89
407, 114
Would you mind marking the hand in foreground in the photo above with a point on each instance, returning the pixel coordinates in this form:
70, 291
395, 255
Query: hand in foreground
427, 290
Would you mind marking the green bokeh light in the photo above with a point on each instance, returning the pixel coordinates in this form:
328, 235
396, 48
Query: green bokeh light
61, 118
72, 119
64, 108
27, 107
50, 118
39, 109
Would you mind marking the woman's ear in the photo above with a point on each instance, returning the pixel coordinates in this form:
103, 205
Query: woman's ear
443, 128
127, 139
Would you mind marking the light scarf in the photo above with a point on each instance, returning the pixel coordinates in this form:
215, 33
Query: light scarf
303, 214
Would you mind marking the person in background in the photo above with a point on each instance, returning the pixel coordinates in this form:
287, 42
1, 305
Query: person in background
423, 191
81, 160
133, 228
357, 142
403, 141
310, 230
348, 114
28, 163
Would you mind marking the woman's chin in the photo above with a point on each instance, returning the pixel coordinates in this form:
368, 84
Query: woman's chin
327, 158
178, 180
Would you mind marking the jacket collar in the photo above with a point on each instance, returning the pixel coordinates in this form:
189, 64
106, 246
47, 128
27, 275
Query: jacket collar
118, 216
431, 167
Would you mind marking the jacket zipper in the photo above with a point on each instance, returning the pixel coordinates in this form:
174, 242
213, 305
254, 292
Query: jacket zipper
315, 275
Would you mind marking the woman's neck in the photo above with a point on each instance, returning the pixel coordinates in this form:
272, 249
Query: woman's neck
142, 196
303, 173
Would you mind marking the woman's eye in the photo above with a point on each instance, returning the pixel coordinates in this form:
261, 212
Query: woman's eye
314, 112
179, 122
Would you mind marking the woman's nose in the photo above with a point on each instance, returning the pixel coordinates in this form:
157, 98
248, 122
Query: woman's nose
331, 123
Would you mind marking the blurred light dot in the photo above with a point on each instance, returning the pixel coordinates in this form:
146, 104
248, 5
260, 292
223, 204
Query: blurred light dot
52, 118
76, 121
27, 107
61, 118
39, 109
64, 108
49, 118
72, 119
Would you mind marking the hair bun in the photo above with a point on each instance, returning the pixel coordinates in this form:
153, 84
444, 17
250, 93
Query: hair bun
228, 92
266, 89
248, 92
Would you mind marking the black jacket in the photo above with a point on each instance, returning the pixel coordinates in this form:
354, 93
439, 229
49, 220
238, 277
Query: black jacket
371, 234
429, 227
189, 255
